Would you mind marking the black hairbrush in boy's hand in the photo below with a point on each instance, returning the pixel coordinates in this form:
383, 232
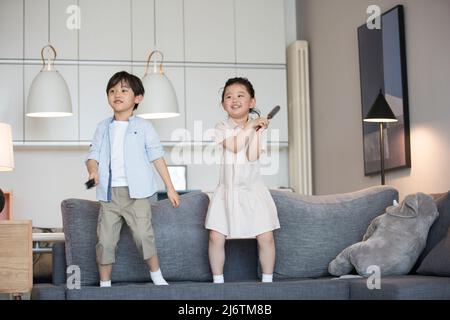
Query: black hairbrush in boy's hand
271, 114
90, 183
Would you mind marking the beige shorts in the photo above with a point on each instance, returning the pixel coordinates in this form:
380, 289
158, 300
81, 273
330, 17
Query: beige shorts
137, 215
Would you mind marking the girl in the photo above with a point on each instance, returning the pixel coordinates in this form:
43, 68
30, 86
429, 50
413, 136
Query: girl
241, 206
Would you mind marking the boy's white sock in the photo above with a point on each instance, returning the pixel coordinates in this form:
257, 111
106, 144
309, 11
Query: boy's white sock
218, 278
157, 278
105, 284
267, 277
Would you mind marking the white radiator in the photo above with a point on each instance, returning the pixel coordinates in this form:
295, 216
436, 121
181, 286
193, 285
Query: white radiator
300, 171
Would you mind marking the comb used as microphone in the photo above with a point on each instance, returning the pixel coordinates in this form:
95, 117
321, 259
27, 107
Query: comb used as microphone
273, 112
271, 115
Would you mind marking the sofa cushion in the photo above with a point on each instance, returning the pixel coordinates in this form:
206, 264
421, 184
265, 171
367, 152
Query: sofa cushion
393, 241
437, 262
314, 229
402, 288
241, 260
180, 237
439, 228
46, 291
284, 290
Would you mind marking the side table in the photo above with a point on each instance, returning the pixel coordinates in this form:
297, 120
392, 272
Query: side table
16, 257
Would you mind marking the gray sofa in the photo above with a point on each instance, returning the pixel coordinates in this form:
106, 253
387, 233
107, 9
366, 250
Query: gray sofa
314, 229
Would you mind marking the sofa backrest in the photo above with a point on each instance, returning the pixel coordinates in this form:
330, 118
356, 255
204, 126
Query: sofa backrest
438, 230
180, 236
315, 229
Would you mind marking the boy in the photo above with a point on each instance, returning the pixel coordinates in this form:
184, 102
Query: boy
119, 162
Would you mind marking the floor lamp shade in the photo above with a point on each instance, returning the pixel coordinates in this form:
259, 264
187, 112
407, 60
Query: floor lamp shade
6, 148
160, 100
380, 112
49, 95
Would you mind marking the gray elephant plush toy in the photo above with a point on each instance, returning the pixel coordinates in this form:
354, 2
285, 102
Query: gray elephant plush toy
393, 240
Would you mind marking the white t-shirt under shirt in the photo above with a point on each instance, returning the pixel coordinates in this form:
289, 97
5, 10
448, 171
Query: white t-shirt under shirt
117, 131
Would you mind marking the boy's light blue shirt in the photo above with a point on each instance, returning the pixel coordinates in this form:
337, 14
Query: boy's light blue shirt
141, 147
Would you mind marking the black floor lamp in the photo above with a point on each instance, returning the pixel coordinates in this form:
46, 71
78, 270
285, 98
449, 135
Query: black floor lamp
380, 112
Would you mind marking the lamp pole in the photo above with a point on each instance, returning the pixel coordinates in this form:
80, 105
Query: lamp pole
382, 152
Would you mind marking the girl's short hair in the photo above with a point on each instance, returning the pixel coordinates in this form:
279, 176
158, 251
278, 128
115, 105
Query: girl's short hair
248, 86
134, 82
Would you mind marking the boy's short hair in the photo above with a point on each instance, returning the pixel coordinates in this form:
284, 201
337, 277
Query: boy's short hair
134, 82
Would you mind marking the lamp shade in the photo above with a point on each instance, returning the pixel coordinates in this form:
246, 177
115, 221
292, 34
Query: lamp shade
380, 111
49, 94
160, 100
6, 148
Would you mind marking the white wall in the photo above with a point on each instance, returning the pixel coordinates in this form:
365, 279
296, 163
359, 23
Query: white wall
290, 20
45, 175
330, 27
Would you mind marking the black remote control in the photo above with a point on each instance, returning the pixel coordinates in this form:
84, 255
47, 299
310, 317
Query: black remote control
90, 183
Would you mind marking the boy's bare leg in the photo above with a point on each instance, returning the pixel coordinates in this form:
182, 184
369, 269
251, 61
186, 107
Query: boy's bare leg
105, 271
266, 250
105, 274
216, 251
153, 263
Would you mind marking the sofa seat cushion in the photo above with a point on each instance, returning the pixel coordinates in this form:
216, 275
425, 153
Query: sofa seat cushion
314, 229
47, 291
283, 290
402, 288
180, 237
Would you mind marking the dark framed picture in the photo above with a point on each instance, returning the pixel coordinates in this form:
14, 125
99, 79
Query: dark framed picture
382, 61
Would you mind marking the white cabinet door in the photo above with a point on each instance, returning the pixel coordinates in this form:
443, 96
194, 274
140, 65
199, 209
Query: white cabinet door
209, 31
63, 30
105, 32
260, 31
158, 25
169, 29
270, 90
94, 105
11, 98
53, 129
168, 127
203, 95
11, 29
203, 177
36, 27
143, 28
37, 23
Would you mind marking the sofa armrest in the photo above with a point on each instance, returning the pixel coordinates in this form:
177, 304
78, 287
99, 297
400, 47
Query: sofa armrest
59, 263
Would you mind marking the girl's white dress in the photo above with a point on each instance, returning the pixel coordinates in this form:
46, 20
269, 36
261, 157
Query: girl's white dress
241, 206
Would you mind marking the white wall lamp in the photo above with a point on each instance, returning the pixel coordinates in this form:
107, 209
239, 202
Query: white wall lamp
6, 148
49, 94
160, 100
